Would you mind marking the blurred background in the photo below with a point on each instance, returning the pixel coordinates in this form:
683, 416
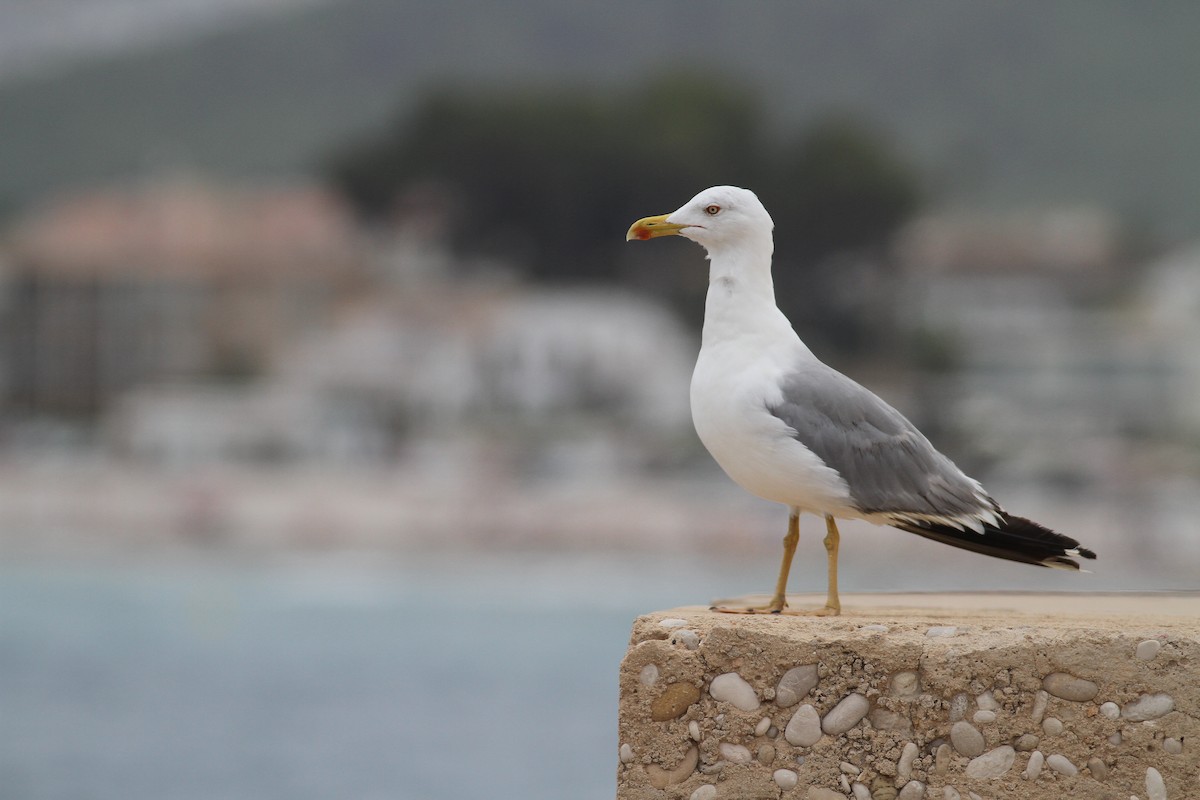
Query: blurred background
342, 435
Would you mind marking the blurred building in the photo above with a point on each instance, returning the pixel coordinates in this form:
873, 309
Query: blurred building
110, 289
1051, 372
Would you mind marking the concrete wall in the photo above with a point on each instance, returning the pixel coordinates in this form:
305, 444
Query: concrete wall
887, 702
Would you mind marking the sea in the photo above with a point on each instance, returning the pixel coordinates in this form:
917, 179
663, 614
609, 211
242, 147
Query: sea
355, 675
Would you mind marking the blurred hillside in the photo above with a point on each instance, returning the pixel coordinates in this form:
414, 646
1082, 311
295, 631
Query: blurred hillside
1072, 102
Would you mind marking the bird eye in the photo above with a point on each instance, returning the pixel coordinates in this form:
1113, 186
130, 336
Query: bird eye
712, 210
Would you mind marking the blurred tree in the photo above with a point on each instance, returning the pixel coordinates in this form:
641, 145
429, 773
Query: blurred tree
549, 180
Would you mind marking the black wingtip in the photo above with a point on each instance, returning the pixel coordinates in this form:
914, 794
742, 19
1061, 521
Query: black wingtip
1013, 539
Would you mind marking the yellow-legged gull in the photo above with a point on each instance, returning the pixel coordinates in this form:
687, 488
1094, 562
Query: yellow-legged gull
788, 428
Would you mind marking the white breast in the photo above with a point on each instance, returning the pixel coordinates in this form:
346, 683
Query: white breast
731, 395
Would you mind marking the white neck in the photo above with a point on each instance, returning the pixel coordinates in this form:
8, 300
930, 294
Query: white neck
741, 296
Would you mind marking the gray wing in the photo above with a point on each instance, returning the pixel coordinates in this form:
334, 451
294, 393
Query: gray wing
889, 466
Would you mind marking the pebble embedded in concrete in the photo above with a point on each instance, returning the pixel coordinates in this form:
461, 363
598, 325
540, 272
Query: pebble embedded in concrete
785, 779
860, 791
905, 684
648, 675
1148, 706
1053, 726
733, 688
1061, 764
686, 637
1034, 767
672, 622
1065, 686
846, 714
1148, 649
992, 764
987, 701
735, 753
1110, 710
1098, 768
950, 793
763, 726
958, 706
984, 717
1039, 706
905, 764
913, 790
804, 728
1025, 742
765, 754
966, 738
795, 684
626, 753
705, 792
1156, 788
673, 701
942, 631
694, 730
1172, 745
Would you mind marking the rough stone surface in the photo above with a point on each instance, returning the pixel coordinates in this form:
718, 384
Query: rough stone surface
897, 688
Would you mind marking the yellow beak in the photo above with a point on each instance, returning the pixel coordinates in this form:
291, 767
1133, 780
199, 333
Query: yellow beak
653, 227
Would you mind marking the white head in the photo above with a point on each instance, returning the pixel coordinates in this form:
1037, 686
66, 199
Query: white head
718, 218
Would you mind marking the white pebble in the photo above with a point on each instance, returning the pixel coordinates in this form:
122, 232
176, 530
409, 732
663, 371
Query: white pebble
950, 793
942, 630
1039, 706
875, 628
686, 637
735, 753
849, 769
1155, 788
672, 622
1148, 649
860, 791
913, 790
694, 730
733, 688
705, 792
1110, 710
804, 728
991, 764
1172, 745
785, 779
987, 701
1115, 739
984, 716
966, 739
1061, 764
1053, 726
846, 714
974, 796
1148, 706
626, 753
1034, 767
1098, 768
907, 756
795, 684
648, 675
763, 726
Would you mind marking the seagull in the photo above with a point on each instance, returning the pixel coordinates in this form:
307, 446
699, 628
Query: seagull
788, 428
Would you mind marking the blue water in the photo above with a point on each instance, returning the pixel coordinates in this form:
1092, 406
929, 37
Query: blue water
342, 676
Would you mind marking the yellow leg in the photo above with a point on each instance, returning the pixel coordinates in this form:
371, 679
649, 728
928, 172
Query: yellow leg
833, 605
778, 603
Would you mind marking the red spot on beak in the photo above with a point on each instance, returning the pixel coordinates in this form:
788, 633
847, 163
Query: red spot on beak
643, 234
